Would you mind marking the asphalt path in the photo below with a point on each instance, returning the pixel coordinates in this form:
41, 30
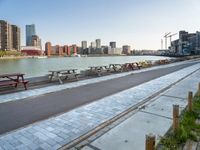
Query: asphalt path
17, 114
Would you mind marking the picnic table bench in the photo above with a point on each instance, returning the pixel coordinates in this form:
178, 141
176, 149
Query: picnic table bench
131, 66
13, 79
99, 70
163, 61
67, 74
116, 67
145, 64
125, 67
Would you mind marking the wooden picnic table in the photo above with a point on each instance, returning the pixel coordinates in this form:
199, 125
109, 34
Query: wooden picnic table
98, 69
13, 79
67, 73
131, 66
116, 67
125, 67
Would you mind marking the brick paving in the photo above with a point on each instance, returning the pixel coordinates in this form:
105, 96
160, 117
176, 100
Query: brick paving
155, 117
55, 132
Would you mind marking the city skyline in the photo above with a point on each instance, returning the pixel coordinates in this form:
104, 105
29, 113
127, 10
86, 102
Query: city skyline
140, 24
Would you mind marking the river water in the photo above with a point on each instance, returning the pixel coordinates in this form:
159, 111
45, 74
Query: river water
33, 67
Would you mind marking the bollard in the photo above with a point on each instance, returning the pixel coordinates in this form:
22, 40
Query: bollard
190, 96
150, 142
175, 118
199, 89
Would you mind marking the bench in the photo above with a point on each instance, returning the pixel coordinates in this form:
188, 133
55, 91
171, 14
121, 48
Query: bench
67, 75
138, 65
8, 82
25, 82
98, 70
101, 71
108, 69
116, 67
13, 79
164, 61
58, 74
145, 64
15, 83
76, 75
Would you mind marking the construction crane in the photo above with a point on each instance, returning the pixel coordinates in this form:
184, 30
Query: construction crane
170, 37
166, 36
161, 43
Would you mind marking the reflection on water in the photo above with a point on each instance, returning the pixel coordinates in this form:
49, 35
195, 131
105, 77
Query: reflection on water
39, 67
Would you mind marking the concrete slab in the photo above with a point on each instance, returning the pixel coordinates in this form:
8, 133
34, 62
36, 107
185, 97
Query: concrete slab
163, 106
88, 148
131, 133
182, 91
190, 83
182, 88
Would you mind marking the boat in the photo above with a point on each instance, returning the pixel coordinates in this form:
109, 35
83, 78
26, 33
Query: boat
40, 57
75, 55
83, 55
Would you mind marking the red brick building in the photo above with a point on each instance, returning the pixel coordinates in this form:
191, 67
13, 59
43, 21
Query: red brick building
58, 50
48, 49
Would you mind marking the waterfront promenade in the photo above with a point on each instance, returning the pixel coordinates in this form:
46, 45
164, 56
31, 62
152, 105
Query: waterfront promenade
153, 117
109, 95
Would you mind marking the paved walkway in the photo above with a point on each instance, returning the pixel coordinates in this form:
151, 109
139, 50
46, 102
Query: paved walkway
55, 132
155, 117
33, 109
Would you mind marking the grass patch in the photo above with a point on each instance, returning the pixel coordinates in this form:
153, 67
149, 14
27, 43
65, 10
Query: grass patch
188, 129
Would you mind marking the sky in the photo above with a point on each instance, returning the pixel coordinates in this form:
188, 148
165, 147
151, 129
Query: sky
138, 23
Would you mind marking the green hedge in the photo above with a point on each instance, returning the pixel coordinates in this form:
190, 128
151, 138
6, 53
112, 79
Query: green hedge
9, 53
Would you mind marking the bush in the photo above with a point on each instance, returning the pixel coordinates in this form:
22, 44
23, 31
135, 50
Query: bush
2, 53
9, 53
188, 128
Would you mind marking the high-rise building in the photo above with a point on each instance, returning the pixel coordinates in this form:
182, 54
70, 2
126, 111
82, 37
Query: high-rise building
113, 44
115, 51
98, 43
93, 45
84, 44
9, 36
84, 49
16, 37
36, 41
6, 35
187, 44
126, 49
30, 31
